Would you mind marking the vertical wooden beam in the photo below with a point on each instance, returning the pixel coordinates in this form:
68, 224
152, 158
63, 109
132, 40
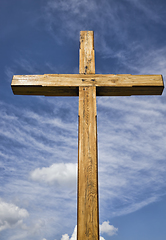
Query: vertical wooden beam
87, 200
87, 53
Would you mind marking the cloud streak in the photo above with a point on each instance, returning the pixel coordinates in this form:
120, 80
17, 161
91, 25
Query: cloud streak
133, 177
110, 20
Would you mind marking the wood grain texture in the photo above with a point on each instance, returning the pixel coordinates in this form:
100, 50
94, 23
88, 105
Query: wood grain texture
68, 84
87, 200
87, 53
87, 195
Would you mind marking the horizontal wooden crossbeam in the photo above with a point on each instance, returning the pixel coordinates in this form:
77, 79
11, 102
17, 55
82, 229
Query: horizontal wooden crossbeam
106, 84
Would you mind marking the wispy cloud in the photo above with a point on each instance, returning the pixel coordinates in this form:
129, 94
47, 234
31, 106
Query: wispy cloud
151, 11
24, 64
27, 135
120, 35
133, 176
116, 27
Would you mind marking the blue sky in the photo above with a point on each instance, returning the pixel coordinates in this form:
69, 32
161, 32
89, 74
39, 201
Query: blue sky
38, 150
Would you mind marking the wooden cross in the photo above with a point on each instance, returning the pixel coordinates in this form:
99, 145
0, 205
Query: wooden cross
87, 85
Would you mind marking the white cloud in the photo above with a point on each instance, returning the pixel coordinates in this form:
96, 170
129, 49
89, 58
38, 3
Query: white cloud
11, 216
35, 228
101, 238
65, 237
73, 237
110, 230
62, 174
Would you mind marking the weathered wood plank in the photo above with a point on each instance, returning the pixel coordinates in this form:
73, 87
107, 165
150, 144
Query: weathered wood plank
77, 80
87, 198
87, 53
107, 84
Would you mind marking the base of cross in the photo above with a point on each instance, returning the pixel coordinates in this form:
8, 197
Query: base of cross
87, 85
